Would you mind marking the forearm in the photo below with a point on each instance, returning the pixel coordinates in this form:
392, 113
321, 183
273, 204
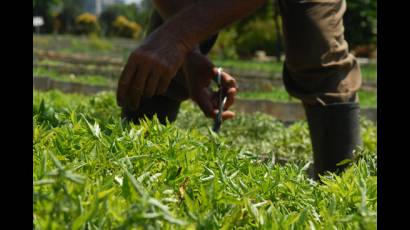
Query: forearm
202, 18
168, 8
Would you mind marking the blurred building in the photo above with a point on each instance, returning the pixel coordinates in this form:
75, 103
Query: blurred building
97, 6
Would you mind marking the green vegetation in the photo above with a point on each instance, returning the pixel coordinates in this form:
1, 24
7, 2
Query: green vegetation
131, 13
121, 48
87, 23
124, 28
360, 22
93, 171
44, 8
277, 94
251, 65
91, 45
367, 99
369, 72
84, 79
259, 31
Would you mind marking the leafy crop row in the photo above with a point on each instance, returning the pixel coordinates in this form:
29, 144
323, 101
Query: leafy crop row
94, 171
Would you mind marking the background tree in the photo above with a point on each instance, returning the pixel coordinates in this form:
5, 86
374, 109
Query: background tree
122, 27
144, 11
361, 23
132, 12
44, 8
259, 31
87, 23
69, 12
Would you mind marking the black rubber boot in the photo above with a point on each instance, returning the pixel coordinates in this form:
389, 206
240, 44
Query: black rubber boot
335, 133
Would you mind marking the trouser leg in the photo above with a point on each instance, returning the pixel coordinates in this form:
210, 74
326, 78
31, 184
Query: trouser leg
320, 71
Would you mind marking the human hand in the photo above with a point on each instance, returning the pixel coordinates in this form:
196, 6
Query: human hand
150, 68
199, 72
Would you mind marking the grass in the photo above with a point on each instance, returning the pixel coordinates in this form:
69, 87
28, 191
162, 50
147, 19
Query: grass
369, 72
277, 94
97, 80
92, 45
67, 67
367, 99
93, 171
270, 67
76, 43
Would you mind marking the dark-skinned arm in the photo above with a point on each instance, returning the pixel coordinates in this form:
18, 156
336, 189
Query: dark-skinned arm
164, 51
198, 70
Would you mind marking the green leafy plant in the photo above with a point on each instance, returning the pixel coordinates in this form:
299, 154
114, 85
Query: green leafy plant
93, 170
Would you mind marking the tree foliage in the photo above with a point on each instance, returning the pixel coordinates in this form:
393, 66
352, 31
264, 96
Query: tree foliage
361, 22
43, 8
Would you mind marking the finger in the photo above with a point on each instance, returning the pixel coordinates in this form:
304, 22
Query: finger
228, 81
152, 82
125, 81
205, 104
226, 115
163, 84
230, 98
229, 88
137, 87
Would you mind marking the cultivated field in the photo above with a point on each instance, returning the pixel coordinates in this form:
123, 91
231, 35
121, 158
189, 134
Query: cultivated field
91, 170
